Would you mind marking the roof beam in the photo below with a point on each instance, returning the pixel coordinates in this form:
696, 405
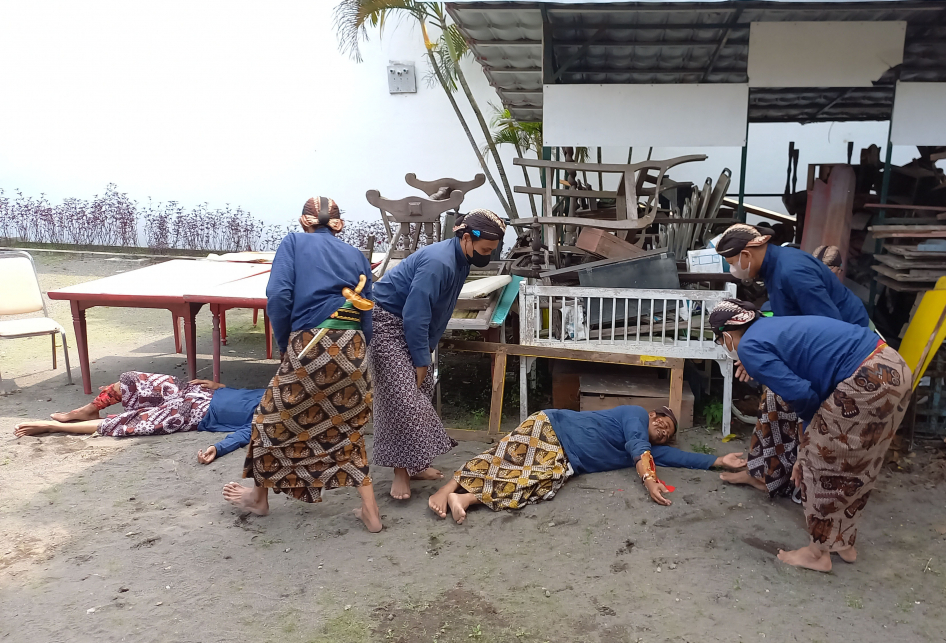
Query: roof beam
647, 44
506, 43
571, 60
722, 43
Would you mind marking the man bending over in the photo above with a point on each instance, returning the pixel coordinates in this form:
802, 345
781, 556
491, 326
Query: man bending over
534, 461
158, 405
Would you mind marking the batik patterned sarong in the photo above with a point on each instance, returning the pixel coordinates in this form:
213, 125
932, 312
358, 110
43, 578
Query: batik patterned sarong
307, 431
156, 404
526, 466
773, 448
408, 433
843, 448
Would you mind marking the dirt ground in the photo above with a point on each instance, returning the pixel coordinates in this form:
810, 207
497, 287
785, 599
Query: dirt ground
130, 540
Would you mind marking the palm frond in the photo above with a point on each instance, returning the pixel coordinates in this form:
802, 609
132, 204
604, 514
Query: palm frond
353, 17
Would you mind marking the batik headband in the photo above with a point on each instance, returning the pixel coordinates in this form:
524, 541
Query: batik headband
480, 224
730, 314
739, 237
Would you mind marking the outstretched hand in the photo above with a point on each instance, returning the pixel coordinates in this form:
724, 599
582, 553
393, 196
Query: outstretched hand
731, 461
206, 456
656, 490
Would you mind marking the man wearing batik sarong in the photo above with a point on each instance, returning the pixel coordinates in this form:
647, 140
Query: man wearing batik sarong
798, 284
415, 301
849, 388
157, 404
308, 430
534, 461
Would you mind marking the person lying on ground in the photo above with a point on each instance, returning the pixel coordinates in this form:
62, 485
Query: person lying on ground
534, 461
849, 388
158, 404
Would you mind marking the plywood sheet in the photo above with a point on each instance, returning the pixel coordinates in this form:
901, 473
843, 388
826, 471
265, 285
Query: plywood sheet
919, 114
693, 115
823, 54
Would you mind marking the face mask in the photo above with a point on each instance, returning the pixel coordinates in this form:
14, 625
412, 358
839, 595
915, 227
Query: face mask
733, 355
737, 271
478, 260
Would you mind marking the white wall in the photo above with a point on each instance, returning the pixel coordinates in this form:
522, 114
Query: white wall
228, 102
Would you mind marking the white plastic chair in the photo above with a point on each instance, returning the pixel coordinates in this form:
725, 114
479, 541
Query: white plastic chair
21, 295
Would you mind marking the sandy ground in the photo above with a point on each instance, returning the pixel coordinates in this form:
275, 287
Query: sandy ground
129, 539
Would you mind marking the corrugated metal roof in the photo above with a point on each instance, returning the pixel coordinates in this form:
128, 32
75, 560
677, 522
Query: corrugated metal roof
685, 42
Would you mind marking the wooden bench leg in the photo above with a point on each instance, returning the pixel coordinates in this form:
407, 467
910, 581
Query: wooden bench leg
255, 315
499, 384
177, 333
676, 392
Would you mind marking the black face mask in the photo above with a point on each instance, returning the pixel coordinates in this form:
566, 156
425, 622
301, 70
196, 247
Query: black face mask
478, 260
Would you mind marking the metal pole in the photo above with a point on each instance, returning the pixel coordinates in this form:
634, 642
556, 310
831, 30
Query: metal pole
741, 211
881, 215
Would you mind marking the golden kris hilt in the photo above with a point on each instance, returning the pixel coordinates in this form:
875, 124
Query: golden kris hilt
354, 296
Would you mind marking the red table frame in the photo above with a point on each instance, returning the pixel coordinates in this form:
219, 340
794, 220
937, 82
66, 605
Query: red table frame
218, 308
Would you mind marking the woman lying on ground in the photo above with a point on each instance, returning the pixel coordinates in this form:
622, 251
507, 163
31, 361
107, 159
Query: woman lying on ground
849, 388
534, 461
158, 405
308, 433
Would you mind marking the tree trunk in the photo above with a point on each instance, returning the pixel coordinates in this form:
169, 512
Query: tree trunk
466, 128
511, 211
525, 173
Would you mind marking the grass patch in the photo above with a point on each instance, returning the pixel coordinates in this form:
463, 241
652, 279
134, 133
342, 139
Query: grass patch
854, 602
702, 447
347, 627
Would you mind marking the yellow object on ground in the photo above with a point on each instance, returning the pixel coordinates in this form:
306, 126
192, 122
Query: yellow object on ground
922, 325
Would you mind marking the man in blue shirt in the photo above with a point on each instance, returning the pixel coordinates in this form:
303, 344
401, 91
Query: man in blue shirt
415, 301
534, 461
158, 404
798, 284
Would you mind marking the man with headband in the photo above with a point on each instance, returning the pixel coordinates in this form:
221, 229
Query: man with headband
415, 300
850, 389
797, 284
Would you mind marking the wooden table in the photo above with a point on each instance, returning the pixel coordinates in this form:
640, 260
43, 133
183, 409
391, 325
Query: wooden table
162, 285
248, 292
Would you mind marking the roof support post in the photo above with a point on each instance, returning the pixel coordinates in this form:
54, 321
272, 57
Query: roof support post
741, 211
548, 55
881, 215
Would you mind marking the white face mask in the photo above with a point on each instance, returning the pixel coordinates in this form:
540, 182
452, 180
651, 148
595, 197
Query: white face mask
737, 271
733, 355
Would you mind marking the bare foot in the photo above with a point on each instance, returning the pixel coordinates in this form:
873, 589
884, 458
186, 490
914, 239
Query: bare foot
438, 501
818, 560
87, 412
401, 488
848, 555
252, 499
37, 427
428, 474
459, 504
742, 477
372, 520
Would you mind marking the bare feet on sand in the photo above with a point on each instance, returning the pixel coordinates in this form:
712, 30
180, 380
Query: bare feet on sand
87, 412
428, 474
807, 557
401, 488
459, 503
438, 501
37, 427
372, 520
742, 477
848, 555
252, 499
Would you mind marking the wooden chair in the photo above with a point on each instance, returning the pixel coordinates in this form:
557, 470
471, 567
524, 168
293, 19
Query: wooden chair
22, 295
444, 186
411, 211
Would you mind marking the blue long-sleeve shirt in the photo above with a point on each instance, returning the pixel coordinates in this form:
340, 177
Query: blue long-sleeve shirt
231, 410
306, 281
423, 290
803, 359
615, 439
799, 284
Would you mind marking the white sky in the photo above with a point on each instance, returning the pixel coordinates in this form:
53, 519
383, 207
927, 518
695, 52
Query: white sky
251, 104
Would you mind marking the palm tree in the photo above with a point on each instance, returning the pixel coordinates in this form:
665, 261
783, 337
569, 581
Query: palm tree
352, 19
